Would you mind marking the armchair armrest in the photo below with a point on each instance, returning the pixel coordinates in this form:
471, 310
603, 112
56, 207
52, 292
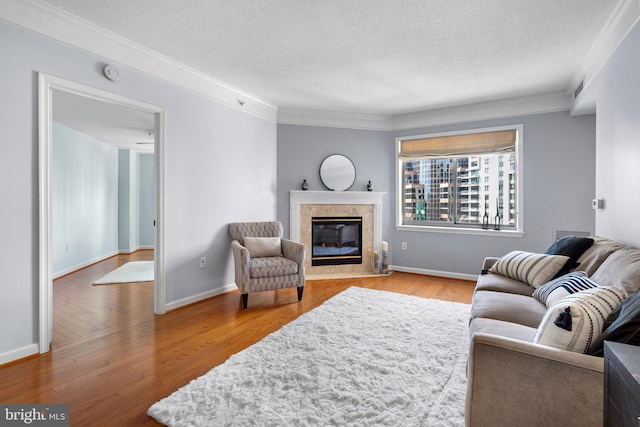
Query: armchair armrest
512, 382
296, 252
293, 250
241, 261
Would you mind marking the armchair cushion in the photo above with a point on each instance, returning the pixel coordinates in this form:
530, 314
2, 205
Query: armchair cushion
263, 246
272, 267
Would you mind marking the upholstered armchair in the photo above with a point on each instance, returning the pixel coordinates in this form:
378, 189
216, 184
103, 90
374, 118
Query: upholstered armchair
265, 261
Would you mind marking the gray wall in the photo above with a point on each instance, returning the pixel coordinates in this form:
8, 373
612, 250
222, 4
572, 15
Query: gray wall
146, 181
84, 200
558, 172
136, 201
618, 143
125, 187
220, 166
301, 149
102, 200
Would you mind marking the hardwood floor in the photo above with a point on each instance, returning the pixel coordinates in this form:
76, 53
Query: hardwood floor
112, 357
81, 310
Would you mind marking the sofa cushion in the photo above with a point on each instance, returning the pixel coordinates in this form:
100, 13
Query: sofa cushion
621, 269
502, 329
571, 246
593, 257
622, 325
514, 308
530, 268
575, 322
499, 283
565, 285
272, 266
263, 246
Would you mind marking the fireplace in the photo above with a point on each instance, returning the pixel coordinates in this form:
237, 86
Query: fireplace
336, 240
305, 205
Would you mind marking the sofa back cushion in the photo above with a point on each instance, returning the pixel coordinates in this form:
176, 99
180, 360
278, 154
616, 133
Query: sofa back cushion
500, 283
597, 253
530, 268
621, 269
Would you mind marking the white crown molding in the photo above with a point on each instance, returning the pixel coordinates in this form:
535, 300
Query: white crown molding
623, 19
513, 107
339, 119
57, 24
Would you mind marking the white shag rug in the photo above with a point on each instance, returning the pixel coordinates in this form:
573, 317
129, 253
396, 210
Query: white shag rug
363, 358
134, 271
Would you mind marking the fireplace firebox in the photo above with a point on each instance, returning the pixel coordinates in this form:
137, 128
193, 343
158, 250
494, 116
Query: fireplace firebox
336, 240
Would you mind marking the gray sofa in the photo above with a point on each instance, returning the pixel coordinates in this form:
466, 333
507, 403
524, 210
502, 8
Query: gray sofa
513, 381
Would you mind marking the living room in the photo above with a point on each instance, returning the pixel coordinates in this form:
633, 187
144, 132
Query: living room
571, 156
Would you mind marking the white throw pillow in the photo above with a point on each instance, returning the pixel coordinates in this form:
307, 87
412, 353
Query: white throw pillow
263, 246
530, 268
575, 322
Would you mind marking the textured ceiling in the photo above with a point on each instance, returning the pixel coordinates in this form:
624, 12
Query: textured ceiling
366, 56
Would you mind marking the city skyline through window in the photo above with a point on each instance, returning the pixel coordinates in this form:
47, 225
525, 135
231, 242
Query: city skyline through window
463, 180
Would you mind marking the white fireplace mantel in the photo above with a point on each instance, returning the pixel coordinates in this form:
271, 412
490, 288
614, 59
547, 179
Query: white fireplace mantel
300, 197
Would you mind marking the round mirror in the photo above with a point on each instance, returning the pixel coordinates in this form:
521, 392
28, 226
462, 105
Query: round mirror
337, 172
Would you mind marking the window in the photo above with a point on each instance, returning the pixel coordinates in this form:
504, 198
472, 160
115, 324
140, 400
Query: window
442, 185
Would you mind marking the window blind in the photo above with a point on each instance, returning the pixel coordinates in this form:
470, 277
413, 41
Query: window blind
473, 144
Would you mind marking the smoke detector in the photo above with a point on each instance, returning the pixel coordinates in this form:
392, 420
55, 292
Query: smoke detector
111, 72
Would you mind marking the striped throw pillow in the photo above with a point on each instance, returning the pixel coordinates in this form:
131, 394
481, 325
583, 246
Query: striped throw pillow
530, 268
575, 322
570, 283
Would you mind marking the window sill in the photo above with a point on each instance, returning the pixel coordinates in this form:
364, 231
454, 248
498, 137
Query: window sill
457, 230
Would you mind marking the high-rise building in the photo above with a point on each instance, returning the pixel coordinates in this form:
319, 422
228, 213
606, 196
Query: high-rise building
466, 190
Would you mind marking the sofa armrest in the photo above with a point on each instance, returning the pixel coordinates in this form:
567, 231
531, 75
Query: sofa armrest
512, 382
488, 262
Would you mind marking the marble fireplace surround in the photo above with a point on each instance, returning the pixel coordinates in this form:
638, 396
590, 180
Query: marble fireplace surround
303, 205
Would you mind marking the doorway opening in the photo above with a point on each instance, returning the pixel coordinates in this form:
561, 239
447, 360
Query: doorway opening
52, 87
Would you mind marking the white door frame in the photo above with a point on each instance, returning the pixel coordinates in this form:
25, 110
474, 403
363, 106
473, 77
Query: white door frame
46, 85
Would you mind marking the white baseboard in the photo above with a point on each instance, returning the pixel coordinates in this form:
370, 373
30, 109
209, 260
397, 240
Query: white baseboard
136, 249
199, 297
18, 353
437, 273
61, 273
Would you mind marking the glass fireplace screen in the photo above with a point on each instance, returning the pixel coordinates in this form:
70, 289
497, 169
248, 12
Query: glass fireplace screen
336, 240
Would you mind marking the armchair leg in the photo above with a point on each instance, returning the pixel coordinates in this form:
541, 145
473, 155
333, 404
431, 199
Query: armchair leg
245, 300
300, 290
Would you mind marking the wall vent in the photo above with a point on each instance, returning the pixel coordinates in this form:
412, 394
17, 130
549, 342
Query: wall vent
564, 233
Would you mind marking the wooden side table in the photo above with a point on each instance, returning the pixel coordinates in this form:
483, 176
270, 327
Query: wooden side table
621, 385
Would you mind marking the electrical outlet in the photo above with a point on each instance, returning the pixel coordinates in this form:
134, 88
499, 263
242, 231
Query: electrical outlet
404, 246
203, 262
